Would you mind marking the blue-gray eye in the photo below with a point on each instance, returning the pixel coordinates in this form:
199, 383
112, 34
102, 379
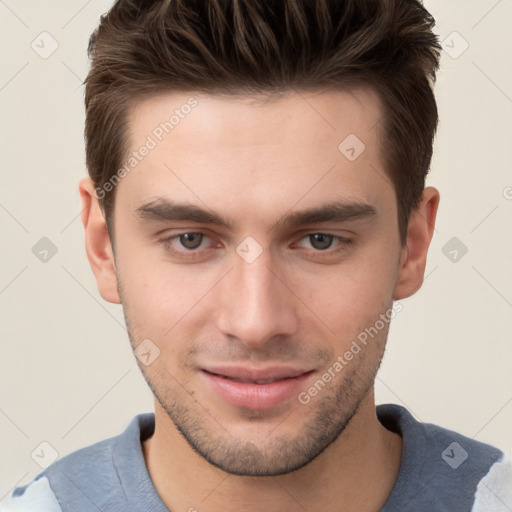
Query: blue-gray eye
191, 240
321, 240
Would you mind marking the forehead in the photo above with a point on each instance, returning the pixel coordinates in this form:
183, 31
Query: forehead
259, 153
243, 120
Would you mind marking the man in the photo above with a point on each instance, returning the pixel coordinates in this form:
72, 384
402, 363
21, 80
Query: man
257, 204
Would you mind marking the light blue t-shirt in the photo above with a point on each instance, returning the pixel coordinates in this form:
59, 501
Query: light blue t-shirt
440, 470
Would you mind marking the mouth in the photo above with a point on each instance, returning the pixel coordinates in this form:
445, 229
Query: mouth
255, 389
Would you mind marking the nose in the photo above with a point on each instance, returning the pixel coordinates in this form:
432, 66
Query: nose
256, 304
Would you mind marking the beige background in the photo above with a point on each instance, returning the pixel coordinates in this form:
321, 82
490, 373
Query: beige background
68, 377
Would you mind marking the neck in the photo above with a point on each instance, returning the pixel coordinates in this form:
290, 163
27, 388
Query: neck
356, 472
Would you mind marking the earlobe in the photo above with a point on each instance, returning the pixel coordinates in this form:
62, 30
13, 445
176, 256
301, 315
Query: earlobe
414, 253
97, 243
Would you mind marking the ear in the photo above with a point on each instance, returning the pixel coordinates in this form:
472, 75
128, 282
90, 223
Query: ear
414, 252
97, 243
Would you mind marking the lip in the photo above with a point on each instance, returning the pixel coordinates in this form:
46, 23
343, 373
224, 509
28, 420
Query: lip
254, 389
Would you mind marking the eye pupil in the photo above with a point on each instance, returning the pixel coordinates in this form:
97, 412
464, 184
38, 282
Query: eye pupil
324, 241
191, 240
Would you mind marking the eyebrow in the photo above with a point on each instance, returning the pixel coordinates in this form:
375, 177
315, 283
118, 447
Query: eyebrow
334, 211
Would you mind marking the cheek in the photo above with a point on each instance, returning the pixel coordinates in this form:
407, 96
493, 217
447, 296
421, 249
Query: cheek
159, 297
351, 296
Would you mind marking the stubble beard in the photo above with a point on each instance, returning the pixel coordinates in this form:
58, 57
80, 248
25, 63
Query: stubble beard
281, 454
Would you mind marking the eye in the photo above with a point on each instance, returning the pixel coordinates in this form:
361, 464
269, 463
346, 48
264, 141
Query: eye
323, 241
196, 246
187, 244
190, 240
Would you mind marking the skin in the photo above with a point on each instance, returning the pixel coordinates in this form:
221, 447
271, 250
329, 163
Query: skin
296, 304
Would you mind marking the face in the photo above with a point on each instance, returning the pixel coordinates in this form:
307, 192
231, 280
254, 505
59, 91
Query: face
252, 251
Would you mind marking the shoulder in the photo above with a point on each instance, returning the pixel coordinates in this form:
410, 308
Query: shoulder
494, 491
36, 496
86, 467
442, 469
435, 445
86, 479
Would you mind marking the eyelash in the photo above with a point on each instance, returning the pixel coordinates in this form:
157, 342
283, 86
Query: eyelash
195, 253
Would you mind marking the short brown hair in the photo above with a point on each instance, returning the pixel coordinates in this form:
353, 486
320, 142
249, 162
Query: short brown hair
266, 46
